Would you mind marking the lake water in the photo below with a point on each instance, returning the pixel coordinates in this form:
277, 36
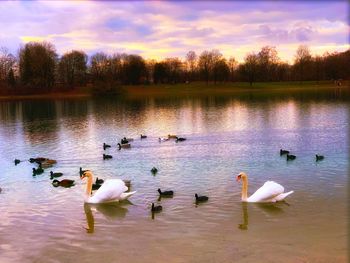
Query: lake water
225, 135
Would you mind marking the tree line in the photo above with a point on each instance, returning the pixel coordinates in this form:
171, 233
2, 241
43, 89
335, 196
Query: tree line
38, 67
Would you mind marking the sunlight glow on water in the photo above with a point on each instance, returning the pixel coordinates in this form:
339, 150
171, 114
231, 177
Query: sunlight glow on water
40, 223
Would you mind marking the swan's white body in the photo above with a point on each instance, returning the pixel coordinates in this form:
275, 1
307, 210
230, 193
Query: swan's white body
112, 190
270, 192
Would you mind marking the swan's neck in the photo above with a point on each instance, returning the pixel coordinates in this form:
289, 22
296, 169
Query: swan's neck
244, 188
88, 186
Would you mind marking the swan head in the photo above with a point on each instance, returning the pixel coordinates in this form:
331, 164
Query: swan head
240, 176
86, 173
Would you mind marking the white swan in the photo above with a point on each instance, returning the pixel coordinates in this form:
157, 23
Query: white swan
112, 190
269, 192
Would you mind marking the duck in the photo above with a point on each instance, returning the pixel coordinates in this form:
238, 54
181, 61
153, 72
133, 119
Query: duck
180, 139
47, 163
112, 190
124, 146
55, 175
157, 208
64, 183
161, 139
97, 184
105, 146
154, 170
282, 152
319, 157
36, 160
171, 136
37, 171
166, 193
291, 157
270, 192
99, 181
17, 161
124, 141
95, 187
81, 171
106, 156
143, 136
202, 198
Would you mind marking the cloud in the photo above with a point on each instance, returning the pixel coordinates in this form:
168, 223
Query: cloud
159, 29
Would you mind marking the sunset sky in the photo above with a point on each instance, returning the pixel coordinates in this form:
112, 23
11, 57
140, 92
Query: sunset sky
160, 29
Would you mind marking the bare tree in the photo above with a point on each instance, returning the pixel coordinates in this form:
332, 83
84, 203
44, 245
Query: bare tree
72, 68
232, 65
191, 59
205, 64
267, 60
37, 63
250, 67
175, 68
100, 66
7, 61
302, 58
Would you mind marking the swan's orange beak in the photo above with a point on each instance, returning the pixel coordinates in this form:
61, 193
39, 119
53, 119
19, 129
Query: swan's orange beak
238, 177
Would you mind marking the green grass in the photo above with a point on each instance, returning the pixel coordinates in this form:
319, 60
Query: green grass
197, 89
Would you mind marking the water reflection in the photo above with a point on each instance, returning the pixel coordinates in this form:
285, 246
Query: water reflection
224, 134
110, 211
90, 228
244, 225
268, 209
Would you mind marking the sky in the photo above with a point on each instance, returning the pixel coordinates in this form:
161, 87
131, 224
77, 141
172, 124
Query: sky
161, 29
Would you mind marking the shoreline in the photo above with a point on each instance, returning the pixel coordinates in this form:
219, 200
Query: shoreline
194, 89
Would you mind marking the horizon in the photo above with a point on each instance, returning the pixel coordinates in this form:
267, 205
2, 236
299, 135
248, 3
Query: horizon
163, 29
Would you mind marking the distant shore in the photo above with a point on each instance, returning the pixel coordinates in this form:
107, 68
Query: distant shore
193, 89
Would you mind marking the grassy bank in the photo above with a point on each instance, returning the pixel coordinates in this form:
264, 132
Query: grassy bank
193, 89
200, 88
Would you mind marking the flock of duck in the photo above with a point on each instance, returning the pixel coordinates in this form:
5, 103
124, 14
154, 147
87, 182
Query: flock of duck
293, 157
113, 190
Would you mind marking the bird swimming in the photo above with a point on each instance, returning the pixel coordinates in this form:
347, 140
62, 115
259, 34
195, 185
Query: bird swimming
55, 175
202, 198
291, 157
63, 183
106, 156
270, 192
319, 157
99, 181
282, 152
165, 193
105, 146
179, 139
124, 141
37, 171
163, 139
124, 146
112, 190
37, 160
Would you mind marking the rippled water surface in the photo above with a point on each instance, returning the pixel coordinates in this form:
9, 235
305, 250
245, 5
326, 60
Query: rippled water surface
225, 135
